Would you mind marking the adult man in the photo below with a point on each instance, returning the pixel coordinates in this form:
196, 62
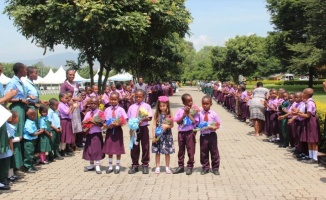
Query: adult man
142, 86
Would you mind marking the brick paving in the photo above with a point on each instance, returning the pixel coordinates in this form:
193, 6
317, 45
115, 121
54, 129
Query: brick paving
250, 169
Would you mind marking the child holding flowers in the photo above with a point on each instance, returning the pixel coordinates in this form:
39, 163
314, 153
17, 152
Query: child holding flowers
187, 118
208, 137
94, 140
162, 134
142, 111
115, 117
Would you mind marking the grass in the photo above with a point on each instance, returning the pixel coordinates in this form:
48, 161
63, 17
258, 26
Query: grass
319, 94
49, 96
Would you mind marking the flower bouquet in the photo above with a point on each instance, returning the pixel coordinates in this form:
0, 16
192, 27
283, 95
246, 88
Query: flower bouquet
133, 124
101, 107
98, 118
205, 125
117, 120
159, 130
142, 113
194, 110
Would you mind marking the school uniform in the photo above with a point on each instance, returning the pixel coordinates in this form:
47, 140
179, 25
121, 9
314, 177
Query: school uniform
19, 107
127, 102
53, 117
299, 128
114, 136
142, 135
106, 100
67, 135
243, 105
283, 123
44, 143
311, 133
271, 118
208, 141
291, 127
29, 143
94, 140
5, 153
32, 90
186, 139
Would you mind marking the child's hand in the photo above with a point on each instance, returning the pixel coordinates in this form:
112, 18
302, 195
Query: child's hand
280, 117
20, 138
154, 139
165, 127
187, 110
50, 135
130, 132
290, 121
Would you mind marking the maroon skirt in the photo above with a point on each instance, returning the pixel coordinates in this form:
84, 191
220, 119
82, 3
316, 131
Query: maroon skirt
244, 108
311, 130
93, 147
271, 123
114, 142
67, 135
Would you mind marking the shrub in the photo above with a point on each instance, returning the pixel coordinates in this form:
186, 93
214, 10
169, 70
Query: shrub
321, 111
300, 82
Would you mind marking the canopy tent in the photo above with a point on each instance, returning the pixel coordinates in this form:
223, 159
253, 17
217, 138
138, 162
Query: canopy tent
59, 76
78, 78
4, 79
48, 78
121, 77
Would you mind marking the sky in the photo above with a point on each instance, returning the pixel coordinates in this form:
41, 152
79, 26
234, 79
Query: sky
214, 22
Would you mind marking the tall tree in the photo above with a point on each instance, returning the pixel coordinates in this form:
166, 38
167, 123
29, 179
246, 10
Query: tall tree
107, 31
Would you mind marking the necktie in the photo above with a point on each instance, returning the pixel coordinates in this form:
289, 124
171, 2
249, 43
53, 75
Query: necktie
92, 114
206, 117
138, 108
113, 112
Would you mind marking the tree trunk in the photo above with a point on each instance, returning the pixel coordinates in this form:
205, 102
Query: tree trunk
105, 79
100, 73
311, 71
91, 71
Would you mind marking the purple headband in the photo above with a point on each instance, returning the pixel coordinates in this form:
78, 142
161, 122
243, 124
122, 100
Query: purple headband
163, 99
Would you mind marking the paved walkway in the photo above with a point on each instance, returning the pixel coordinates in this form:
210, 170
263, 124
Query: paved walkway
250, 169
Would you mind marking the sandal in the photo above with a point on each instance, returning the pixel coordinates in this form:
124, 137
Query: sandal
168, 171
157, 170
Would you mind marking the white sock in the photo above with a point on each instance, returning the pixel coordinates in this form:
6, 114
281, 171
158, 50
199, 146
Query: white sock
98, 168
91, 166
2, 185
110, 163
62, 146
311, 153
11, 172
315, 155
118, 164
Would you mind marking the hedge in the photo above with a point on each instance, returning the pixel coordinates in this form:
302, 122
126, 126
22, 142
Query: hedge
321, 110
299, 82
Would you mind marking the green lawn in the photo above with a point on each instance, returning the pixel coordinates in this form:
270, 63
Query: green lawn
49, 96
318, 96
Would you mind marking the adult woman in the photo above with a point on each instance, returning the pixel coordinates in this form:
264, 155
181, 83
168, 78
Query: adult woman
257, 109
32, 91
70, 86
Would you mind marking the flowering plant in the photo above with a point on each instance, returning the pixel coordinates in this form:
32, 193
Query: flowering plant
99, 117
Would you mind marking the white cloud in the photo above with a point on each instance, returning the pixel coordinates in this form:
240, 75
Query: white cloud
201, 41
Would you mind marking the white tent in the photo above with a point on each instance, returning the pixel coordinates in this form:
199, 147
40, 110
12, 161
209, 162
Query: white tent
59, 76
78, 78
4, 79
48, 78
121, 77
